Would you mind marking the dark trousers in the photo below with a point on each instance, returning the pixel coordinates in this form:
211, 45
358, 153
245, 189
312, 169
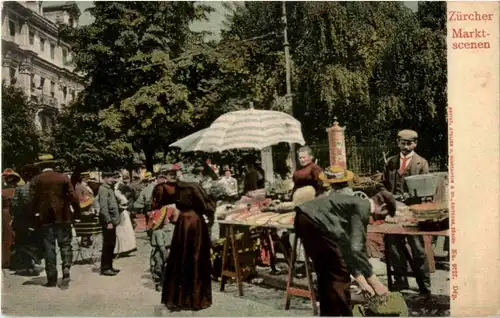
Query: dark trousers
28, 248
108, 248
399, 260
331, 270
63, 235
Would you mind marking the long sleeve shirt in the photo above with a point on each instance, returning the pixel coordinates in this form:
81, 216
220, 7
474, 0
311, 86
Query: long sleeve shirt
343, 218
145, 198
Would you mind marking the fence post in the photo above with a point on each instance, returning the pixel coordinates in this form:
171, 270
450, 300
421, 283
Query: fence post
336, 143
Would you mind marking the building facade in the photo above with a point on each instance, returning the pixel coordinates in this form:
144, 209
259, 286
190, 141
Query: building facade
35, 59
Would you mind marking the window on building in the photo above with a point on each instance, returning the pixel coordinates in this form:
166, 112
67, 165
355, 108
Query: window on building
42, 83
42, 44
65, 93
12, 28
12, 75
46, 122
73, 95
64, 56
52, 50
32, 83
32, 38
52, 89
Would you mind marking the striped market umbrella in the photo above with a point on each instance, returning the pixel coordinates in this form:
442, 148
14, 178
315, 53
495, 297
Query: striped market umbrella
244, 129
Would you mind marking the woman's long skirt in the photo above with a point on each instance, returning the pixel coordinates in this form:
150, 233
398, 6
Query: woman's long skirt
125, 235
188, 284
7, 238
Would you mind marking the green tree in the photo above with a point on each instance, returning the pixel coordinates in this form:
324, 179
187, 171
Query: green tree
20, 138
410, 82
139, 59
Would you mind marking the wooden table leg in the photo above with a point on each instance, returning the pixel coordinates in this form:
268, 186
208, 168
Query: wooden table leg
291, 272
388, 264
429, 253
236, 261
311, 285
225, 250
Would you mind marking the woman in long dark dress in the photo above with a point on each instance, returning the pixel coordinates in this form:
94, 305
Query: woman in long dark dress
187, 283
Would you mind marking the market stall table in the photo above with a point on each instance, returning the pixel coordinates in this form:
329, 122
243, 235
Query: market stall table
290, 289
396, 229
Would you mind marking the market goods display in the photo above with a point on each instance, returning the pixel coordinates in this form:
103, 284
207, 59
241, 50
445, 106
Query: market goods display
278, 206
404, 216
429, 211
431, 216
265, 218
255, 217
287, 219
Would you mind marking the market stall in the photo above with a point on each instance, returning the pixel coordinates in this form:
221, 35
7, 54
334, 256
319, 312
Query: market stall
409, 220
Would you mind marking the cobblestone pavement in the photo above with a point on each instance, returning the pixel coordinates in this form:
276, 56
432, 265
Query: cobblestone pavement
130, 293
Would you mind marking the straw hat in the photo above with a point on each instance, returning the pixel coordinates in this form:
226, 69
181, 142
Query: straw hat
304, 194
336, 174
9, 173
46, 159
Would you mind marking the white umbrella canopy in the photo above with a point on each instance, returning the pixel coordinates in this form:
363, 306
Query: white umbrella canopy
188, 143
242, 129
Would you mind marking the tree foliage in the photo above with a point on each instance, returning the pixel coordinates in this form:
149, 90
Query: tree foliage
20, 137
139, 59
377, 66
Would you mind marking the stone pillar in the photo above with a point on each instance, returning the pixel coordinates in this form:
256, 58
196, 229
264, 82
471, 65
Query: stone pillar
25, 70
336, 143
266, 156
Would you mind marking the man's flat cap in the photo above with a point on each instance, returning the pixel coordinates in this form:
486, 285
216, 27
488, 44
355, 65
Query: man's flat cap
408, 135
110, 174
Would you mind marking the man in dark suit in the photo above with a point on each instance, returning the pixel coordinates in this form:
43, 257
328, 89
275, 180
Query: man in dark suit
53, 195
407, 163
109, 216
333, 229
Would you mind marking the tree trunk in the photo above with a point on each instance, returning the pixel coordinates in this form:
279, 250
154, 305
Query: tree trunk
149, 154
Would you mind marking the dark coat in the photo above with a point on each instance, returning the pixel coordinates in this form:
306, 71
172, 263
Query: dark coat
343, 219
418, 165
109, 211
53, 195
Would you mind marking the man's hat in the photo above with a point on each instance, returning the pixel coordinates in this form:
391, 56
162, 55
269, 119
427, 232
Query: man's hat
92, 180
385, 197
304, 194
408, 135
110, 174
9, 173
85, 174
335, 174
165, 169
46, 159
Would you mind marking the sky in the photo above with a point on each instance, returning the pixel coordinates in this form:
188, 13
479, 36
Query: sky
214, 24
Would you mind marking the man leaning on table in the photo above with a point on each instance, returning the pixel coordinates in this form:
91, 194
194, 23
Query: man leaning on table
332, 229
407, 163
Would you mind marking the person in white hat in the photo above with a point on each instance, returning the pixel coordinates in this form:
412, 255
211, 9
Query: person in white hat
406, 163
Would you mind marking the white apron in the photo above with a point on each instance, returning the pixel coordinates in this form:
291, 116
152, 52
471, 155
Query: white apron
125, 234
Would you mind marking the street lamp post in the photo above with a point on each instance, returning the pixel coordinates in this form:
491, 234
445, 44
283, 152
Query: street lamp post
289, 95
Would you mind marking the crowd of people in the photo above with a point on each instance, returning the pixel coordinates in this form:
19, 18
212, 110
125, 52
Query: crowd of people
179, 209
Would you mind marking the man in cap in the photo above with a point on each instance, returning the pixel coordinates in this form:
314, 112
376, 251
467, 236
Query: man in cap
53, 194
332, 229
143, 202
406, 163
109, 216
